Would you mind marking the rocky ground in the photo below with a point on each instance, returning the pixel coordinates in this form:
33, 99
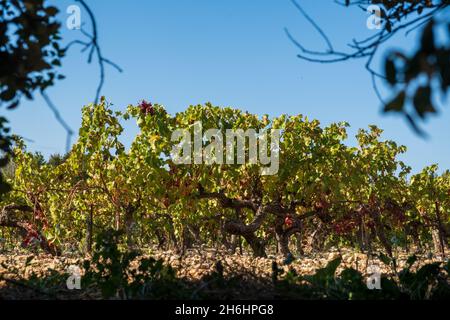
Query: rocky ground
255, 274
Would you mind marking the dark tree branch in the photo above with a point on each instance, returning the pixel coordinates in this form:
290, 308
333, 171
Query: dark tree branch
227, 202
314, 24
395, 17
240, 228
95, 49
60, 120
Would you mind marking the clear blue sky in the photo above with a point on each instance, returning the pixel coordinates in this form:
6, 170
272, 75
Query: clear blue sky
231, 53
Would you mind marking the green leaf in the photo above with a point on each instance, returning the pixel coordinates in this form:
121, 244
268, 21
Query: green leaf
28, 261
411, 260
331, 267
385, 259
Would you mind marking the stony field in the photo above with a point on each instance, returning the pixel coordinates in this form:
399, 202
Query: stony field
254, 274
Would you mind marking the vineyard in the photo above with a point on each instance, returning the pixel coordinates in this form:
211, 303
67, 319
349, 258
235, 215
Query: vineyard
117, 212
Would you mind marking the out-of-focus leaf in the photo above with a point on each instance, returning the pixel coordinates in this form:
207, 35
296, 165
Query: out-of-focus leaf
390, 71
396, 104
427, 40
422, 101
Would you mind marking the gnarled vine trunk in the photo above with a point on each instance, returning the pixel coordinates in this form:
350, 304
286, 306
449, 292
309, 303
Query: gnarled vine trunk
89, 229
26, 229
283, 235
439, 232
129, 224
240, 229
